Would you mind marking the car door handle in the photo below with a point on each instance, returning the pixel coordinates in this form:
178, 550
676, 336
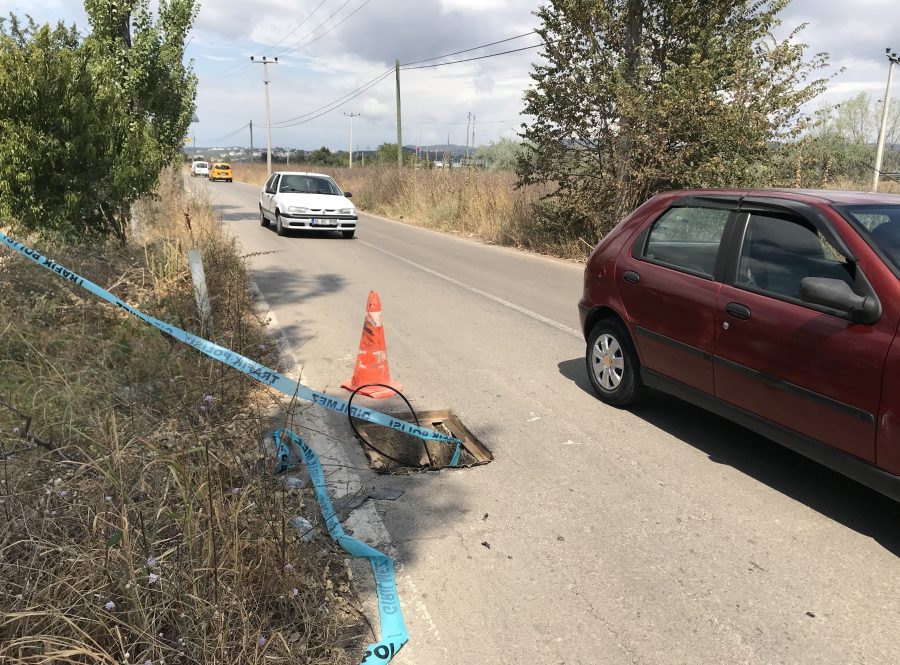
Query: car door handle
631, 277
737, 310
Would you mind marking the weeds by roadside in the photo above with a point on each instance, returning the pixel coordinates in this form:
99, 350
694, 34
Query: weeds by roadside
151, 532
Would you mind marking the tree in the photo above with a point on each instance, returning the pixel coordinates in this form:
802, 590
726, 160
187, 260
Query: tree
637, 96
501, 155
88, 122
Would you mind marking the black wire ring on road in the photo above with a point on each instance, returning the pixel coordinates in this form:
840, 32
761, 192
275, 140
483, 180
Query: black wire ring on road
369, 444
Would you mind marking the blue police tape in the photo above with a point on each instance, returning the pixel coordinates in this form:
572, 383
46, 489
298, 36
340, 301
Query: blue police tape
249, 367
393, 629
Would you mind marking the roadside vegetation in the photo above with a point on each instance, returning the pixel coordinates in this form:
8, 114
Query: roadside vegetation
139, 520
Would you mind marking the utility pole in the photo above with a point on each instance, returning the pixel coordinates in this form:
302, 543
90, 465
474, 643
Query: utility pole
251, 144
351, 116
265, 62
399, 126
893, 59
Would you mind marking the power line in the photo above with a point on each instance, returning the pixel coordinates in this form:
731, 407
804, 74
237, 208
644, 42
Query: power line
366, 85
480, 57
230, 134
468, 50
333, 106
235, 68
297, 45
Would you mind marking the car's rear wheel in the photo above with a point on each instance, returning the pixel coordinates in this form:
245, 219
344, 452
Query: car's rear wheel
613, 365
279, 227
348, 235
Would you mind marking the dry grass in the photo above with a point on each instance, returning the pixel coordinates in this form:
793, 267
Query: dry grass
138, 522
485, 205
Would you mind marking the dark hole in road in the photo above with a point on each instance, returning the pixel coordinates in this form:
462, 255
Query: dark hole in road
390, 451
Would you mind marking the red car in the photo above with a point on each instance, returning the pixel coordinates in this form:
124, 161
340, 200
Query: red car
777, 309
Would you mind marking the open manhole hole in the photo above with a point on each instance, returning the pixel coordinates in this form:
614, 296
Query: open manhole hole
390, 451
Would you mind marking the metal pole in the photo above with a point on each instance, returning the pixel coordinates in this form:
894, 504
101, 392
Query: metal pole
351, 116
399, 125
893, 58
251, 144
265, 62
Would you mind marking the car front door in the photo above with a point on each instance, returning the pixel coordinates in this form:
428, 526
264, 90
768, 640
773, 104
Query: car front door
669, 282
790, 362
268, 196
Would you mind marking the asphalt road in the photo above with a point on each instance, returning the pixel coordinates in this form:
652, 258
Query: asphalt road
661, 535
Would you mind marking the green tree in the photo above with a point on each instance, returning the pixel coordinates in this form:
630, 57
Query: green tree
88, 122
638, 96
501, 155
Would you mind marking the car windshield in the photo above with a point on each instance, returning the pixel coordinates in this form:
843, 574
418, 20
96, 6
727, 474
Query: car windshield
305, 184
881, 224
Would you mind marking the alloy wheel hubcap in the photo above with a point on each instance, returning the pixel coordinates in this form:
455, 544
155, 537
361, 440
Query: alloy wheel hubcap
608, 362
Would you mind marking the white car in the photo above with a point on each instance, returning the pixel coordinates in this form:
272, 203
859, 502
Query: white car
295, 200
200, 169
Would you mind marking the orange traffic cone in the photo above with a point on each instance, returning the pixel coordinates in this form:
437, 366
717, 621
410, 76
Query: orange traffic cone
372, 362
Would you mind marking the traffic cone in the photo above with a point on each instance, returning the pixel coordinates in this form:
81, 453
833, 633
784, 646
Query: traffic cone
372, 362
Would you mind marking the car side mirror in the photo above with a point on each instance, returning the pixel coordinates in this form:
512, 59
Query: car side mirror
348, 195
837, 294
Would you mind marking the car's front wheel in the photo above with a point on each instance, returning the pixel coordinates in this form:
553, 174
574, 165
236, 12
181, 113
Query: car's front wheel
612, 364
279, 227
348, 235
262, 218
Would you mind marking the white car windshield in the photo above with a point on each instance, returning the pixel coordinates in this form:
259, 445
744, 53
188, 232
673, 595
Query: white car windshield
306, 184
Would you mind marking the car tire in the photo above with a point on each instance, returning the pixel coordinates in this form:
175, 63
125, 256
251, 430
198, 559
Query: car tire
279, 227
229, 180
263, 221
613, 366
348, 235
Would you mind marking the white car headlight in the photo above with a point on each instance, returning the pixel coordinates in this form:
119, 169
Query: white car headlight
297, 210
346, 211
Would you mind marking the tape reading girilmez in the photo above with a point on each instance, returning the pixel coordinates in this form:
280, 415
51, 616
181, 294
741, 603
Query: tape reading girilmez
241, 363
393, 628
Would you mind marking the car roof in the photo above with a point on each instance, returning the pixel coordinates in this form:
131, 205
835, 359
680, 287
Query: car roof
321, 175
837, 196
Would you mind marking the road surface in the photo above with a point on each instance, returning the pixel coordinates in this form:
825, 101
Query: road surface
658, 536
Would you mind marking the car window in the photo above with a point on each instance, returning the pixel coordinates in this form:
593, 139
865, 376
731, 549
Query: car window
304, 184
688, 239
778, 252
201, 165
270, 182
222, 167
881, 225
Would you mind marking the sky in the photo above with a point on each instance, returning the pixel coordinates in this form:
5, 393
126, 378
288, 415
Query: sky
329, 48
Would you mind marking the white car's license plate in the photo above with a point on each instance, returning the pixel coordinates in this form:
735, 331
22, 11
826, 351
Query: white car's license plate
322, 222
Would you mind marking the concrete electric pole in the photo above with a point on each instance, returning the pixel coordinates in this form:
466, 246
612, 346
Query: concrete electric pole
251, 144
893, 59
351, 116
265, 62
399, 126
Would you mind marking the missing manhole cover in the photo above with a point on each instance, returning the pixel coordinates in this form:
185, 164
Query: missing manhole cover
390, 451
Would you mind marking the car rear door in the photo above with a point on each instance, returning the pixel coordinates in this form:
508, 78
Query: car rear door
669, 283
788, 361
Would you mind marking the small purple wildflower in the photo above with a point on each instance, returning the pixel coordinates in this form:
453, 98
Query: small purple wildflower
208, 398
153, 578
295, 592
110, 606
261, 641
203, 408
151, 562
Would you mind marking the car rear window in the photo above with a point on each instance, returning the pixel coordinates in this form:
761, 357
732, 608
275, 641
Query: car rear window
222, 167
687, 239
201, 165
305, 184
880, 225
